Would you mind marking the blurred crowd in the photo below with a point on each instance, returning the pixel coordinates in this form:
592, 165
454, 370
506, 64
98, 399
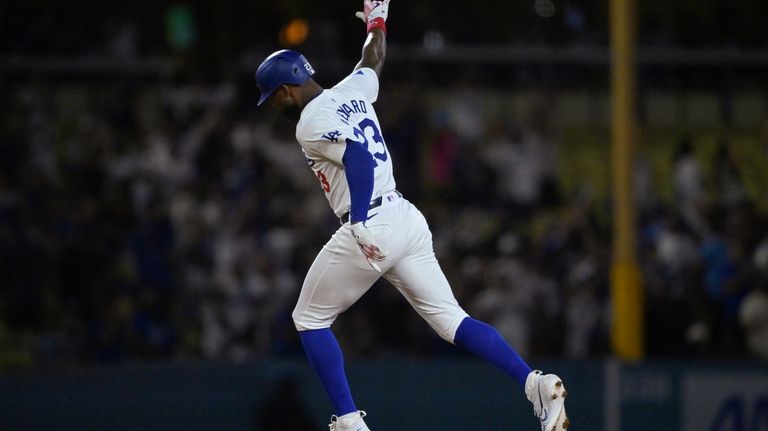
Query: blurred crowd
171, 220
165, 217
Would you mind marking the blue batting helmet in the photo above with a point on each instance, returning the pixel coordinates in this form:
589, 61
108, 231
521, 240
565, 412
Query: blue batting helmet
282, 67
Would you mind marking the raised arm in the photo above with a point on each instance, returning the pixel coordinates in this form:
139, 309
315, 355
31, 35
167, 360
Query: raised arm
374, 15
374, 51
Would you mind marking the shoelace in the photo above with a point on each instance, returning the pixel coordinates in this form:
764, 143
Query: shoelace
334, 420
536, 385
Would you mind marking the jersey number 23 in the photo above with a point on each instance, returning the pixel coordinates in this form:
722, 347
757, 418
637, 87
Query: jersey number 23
377, 147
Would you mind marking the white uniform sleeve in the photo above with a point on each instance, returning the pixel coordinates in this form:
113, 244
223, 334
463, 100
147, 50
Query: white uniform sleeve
326, 142
364, 81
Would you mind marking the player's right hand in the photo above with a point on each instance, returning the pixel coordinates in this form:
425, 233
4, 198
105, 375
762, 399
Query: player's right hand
373, 9
367, 244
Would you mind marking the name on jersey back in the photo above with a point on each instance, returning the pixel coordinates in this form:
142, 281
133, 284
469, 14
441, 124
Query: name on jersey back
345, 110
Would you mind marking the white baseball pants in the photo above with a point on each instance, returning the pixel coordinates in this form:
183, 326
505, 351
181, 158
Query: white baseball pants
340, 274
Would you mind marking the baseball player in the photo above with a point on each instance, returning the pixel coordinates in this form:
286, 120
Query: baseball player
382, 234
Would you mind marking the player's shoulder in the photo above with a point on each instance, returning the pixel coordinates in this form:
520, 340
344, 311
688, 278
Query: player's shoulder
363, 74
360, 74
316, 117
363, 80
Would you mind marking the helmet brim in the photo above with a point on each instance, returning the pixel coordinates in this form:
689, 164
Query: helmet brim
263, 98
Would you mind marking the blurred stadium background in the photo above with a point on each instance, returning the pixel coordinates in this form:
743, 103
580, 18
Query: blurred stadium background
155, 226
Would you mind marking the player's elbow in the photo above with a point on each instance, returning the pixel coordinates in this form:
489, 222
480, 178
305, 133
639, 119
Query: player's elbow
379, 53
376, 62
374, 51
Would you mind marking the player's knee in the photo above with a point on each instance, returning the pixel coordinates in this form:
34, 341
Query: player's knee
305, 321
446, 324
298, 320
445, 334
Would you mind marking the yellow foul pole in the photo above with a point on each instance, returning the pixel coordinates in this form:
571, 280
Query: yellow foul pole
626, 292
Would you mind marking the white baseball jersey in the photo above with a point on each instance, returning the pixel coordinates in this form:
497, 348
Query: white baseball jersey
339, 115
340, 274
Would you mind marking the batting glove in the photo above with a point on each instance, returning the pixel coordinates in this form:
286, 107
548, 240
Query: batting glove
367, 244
374, 14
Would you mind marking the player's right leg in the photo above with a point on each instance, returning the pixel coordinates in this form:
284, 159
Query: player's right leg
547, 394
436, 305
545, 391
418, 276
349, 422
420, 279
338, 277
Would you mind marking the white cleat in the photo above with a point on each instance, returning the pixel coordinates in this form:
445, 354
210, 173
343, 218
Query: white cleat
349, 422
547, 394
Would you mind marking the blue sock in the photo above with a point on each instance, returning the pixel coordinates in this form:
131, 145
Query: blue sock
325, 355
485, 341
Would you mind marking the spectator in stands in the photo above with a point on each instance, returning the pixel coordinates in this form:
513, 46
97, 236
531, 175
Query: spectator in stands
753, 314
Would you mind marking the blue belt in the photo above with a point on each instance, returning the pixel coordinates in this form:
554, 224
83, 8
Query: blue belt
374, 204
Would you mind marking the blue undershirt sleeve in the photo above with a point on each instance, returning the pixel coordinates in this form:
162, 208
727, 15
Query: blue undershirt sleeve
358, 167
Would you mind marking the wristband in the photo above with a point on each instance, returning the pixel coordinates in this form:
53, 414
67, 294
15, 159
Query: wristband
377, 23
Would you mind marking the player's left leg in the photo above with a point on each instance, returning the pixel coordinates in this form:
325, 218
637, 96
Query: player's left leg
338, 277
